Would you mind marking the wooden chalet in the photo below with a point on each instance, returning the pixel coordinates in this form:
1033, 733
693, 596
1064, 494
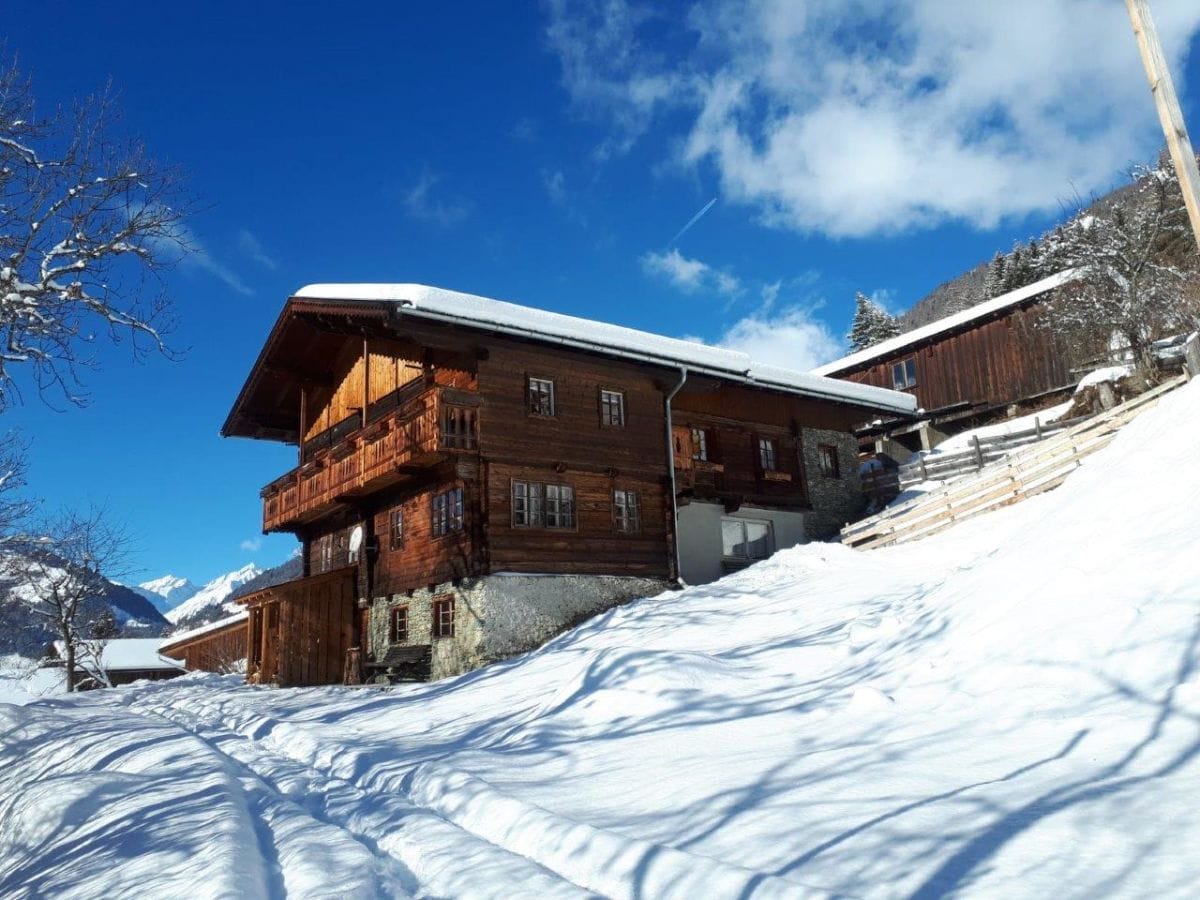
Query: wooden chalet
472, 475
970, 364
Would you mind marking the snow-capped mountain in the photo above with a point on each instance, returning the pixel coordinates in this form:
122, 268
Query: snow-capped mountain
211, 602
167, 592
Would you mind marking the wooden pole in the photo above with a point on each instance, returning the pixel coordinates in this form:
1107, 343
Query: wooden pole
1169, 112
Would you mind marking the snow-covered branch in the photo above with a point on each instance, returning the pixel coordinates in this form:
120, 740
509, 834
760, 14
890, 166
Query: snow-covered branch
87, 224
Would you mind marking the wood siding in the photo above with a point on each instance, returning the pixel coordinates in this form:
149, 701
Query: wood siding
300, 631
218, 650
993, 363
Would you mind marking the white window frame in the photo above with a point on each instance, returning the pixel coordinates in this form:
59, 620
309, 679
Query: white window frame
904, 374
627, 512
743, 521
611, 400
545, 391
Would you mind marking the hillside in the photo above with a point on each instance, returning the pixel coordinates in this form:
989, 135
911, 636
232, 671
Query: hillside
212, 601
1009, 709
22, 632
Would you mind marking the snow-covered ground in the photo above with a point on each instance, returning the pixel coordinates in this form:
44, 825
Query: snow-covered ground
1008, 709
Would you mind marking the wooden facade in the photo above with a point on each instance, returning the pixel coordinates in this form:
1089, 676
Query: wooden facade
220, 649
991, 362
398, 420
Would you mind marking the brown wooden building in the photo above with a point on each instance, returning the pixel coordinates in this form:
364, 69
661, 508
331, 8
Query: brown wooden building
973, 362
473, 475
216, 647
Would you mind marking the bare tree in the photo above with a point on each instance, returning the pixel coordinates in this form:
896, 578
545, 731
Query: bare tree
1131, 258
87, 222
60, 578
14, 508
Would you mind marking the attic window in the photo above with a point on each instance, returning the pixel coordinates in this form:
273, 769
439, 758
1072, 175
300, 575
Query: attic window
904, 374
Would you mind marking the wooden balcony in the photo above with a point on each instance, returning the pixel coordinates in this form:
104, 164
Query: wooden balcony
421, 433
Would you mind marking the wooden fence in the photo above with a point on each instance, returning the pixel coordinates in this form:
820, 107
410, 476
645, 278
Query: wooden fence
1037, 468
884, 484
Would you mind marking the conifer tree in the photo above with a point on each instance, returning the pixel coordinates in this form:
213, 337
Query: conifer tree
872, 323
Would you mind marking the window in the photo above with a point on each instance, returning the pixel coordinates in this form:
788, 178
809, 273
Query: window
447, 512
396, 528
699, 444
537, 505
828, 462
398, 625
767, 459
325, 552
746, 540
904, 374
541, 396
626, 516
443, 618
612, 408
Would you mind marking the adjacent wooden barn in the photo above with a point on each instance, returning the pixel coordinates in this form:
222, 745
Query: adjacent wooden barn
982, 359
473, 475
216, 647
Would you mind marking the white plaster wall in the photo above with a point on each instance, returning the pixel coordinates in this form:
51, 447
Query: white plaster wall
520, 612
700, 536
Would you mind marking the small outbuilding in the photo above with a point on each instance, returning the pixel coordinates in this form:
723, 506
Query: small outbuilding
122, 661
219, 646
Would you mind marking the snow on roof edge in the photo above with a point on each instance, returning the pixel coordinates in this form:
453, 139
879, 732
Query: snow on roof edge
129, 654
614, 340
883, 348
199, 630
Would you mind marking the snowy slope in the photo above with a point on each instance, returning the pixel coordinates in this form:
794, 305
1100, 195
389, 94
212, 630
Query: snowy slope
167, 592
1008, 709
212, 601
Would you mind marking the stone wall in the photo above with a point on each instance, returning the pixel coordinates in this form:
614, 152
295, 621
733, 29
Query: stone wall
498, 616
835, 501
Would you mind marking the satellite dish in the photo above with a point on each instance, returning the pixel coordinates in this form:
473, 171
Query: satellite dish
356, 539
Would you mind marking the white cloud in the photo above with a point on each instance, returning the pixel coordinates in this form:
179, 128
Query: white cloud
251, 545
440, 211
857, 117
253, 248
690, 275
790, 338
556, 185
183, 248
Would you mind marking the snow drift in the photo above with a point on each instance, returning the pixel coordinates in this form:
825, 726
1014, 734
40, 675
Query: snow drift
1010, 708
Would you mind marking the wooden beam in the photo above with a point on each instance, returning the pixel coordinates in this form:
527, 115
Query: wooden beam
366, 383
1169, 112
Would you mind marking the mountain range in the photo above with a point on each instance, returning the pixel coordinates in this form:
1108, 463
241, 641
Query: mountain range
185, 605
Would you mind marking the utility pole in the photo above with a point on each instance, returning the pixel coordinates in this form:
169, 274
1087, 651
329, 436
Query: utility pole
1169, 113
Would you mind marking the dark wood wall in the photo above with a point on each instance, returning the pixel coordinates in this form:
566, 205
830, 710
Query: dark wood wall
993, 363
299, 631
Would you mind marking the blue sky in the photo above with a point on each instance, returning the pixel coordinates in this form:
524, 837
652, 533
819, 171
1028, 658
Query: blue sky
547, 153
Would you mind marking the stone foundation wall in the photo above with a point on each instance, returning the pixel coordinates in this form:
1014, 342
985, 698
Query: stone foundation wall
835, 501
498, 616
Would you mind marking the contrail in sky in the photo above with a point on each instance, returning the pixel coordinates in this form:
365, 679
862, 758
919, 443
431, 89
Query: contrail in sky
693, 220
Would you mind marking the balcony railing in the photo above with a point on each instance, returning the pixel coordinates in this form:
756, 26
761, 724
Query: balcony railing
417, 434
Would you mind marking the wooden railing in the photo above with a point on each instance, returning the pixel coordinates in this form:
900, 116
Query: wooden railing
1034, 470
417, 434
882, 485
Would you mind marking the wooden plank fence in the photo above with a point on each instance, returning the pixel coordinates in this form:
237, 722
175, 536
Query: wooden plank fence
884, 484
1040, 467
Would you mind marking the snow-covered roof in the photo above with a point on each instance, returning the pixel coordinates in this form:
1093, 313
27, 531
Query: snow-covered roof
439, 304
127, 654
180, 636
949, 323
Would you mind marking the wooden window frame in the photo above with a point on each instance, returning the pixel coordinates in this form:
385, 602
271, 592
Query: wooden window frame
530, 380
396, 528
905, 380
829, 461
768, 454
606, 419
627, 511
398, 634
534, 503
447, 512
441, 624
